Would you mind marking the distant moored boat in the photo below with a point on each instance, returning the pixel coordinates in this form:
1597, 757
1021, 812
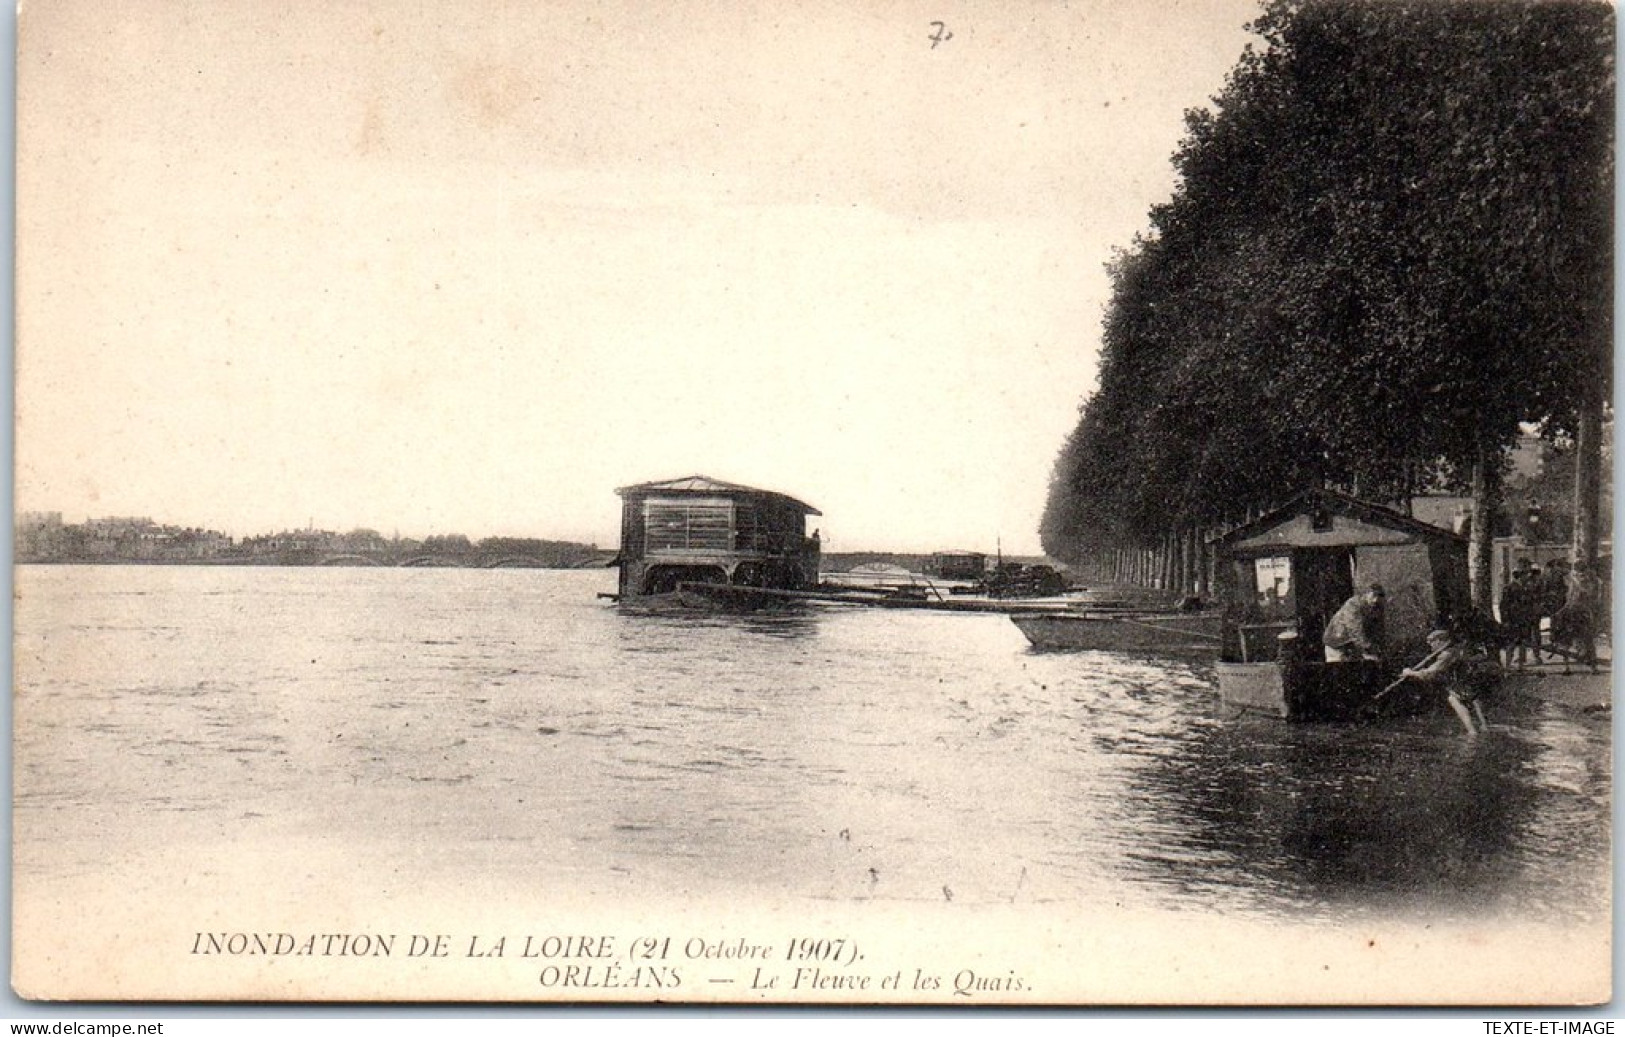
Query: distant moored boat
1157, 630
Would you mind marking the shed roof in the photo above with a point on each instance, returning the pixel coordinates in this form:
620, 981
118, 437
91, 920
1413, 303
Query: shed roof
1340, 504
704, 484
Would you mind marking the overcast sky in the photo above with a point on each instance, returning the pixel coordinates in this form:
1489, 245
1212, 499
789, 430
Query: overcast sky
438, 267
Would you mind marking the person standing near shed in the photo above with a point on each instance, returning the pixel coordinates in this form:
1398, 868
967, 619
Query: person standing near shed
1356, 630
1554, 594
1520, 614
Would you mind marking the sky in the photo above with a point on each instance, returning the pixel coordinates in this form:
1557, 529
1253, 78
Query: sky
468, 267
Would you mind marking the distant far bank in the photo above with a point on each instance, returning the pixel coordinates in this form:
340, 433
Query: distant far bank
573, 556
599, 560
43, 538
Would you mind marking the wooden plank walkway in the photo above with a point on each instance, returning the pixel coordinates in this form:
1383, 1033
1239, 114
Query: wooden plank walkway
889, 599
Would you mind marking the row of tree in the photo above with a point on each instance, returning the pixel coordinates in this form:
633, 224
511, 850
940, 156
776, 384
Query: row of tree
1389, 250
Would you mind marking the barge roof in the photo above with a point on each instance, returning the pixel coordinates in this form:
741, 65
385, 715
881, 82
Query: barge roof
705, 484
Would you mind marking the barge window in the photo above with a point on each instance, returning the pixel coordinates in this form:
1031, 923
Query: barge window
694, 525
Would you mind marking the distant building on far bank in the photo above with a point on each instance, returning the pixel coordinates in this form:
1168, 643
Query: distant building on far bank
957, 565
42, 536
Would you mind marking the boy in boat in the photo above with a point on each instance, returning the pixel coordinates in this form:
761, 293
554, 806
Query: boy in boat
1355, 631
1452, 667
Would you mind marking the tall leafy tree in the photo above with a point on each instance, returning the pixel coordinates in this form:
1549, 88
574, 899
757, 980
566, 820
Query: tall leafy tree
1390, 245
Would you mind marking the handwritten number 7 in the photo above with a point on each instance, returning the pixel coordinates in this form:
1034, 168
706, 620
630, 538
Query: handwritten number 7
942, 35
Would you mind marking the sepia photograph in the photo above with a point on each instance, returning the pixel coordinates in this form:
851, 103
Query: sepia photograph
995, 503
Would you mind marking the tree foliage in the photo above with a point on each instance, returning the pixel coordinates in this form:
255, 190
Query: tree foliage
1389, 246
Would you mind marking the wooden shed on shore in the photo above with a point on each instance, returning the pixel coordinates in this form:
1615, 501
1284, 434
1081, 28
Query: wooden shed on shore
1282, 576
702, 530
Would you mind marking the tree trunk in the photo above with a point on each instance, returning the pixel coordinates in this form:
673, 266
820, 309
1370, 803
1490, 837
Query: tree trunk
1204, 564
1187, 564
1585, 582
1481, 549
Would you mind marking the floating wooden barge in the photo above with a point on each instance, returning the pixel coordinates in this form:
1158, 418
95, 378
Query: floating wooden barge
1281, 577
699, 530
742, 598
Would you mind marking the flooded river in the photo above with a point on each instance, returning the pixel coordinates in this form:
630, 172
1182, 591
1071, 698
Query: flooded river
345, 733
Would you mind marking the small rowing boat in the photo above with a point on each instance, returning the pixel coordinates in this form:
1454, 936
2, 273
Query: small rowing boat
1125, 630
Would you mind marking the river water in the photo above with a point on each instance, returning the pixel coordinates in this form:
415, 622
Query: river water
322, 732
